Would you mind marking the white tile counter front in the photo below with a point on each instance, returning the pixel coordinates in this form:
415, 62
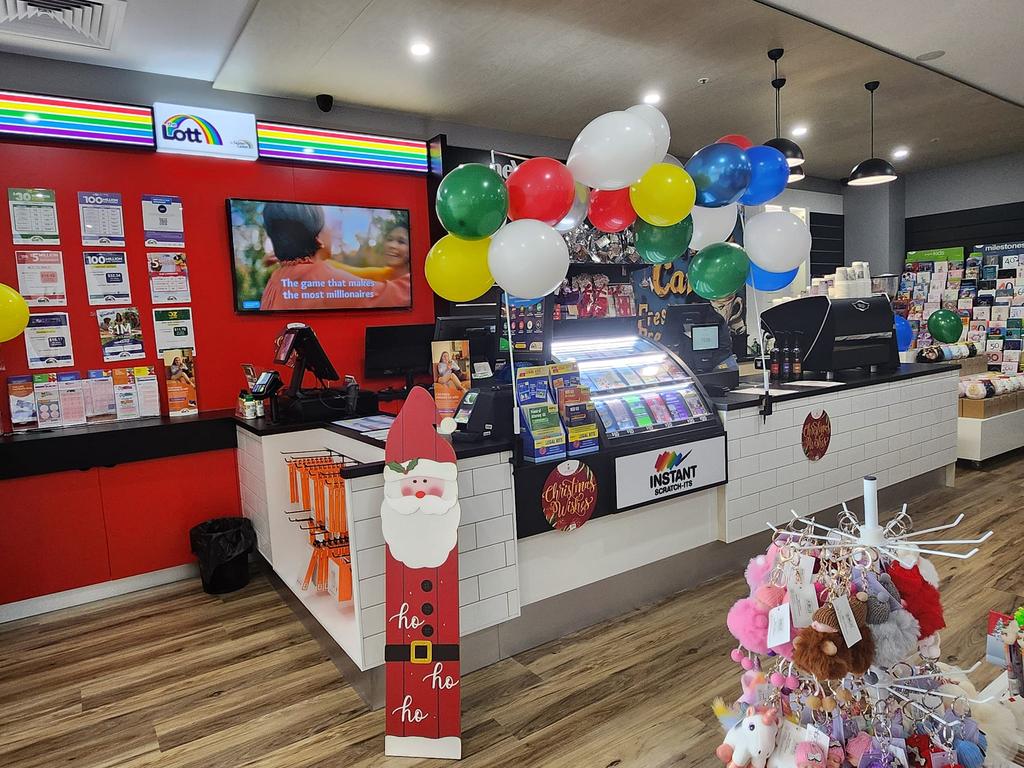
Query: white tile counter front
894, 431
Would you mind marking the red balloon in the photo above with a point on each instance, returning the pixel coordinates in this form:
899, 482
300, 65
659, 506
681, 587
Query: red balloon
738, 139
610, 209
540, 188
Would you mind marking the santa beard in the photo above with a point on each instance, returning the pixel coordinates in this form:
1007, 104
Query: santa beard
420, 533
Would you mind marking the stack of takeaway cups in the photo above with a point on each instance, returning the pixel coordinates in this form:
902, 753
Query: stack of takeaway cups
852, 282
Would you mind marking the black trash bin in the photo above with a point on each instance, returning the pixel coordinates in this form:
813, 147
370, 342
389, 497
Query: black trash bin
223, 546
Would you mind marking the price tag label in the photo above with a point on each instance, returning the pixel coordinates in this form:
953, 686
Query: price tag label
765, 694
803, 601
847, 623
778, 626
813, 734
790, 735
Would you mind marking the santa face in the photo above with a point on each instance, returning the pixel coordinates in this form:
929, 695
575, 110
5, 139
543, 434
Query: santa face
420, 517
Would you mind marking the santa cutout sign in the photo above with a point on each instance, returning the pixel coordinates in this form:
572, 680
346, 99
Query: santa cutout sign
420, 516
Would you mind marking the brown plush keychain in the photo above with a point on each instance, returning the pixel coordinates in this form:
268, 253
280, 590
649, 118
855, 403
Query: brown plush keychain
821, 650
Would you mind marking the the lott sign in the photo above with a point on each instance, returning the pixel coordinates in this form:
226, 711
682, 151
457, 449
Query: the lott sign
209, 132
668, 472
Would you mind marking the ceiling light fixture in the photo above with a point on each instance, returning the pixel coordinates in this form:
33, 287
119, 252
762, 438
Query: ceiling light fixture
899, 153
799, 130
874, 170
419, 49
931, 55
652, 97
796, 173
790, 149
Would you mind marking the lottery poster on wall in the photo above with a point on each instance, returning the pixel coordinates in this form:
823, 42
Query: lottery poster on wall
41, 278
120, 334
106, 277
48, 341
33, 216
180, 373
101, 217
168, 278
173, 328
162, 221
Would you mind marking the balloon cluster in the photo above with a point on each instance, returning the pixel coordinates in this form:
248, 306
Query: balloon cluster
13, 313
620, 194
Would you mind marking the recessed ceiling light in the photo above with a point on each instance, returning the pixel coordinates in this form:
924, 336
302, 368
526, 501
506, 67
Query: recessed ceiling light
931, 55
900, 152
799, 130
652, 97
703, 80
420, 49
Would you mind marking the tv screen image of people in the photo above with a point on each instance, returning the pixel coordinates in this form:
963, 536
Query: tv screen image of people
306, 256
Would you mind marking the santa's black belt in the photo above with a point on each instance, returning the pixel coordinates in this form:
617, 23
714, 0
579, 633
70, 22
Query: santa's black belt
421, 652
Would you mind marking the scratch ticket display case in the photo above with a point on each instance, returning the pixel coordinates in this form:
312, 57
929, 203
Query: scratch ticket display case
658, 435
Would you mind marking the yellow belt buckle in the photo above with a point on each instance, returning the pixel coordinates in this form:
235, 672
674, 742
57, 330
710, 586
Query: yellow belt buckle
415, 644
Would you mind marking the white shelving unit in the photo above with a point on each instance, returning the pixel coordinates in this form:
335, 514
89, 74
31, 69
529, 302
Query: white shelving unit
981, 439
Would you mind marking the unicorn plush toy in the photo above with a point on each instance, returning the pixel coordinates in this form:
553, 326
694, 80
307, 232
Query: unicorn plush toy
750, 741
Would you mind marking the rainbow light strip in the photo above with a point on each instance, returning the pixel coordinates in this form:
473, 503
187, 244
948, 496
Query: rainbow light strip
49, 117
318, 145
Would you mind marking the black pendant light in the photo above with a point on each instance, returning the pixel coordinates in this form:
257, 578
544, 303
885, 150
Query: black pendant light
874, 170
796, 173
790, 149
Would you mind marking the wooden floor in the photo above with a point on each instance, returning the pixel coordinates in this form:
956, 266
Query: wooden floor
173, 677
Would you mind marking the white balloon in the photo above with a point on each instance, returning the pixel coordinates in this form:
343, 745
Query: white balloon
712, 225
673, 160
654, 118
578, 212
612, 151
528, 258
777, 241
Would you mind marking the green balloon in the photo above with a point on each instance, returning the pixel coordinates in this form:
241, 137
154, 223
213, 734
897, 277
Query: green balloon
472, 202
660, 245
945, 326
718, 270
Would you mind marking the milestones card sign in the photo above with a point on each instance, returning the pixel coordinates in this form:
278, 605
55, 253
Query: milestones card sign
420, 519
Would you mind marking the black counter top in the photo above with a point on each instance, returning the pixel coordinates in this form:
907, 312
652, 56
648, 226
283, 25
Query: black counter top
851, 379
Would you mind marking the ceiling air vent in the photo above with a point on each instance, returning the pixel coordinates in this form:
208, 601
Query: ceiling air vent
91, 23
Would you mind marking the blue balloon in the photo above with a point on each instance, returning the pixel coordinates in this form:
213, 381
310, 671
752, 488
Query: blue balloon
769, 174
904, 333
721, 173
514, 301
763, 280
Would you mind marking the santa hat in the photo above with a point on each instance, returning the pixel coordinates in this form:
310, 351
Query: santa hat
414, 448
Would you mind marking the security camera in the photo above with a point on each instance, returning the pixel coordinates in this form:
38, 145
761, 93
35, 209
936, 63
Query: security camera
324, 101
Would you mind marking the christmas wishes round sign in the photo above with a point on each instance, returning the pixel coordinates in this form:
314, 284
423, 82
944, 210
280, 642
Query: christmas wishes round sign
569, 495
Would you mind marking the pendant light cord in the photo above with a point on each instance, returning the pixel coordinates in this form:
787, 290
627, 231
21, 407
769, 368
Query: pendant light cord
872, 153
778, 93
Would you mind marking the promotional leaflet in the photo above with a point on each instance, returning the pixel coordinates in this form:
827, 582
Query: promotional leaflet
173, 328
180, 373
48, 341
147, 389
106, 277
120, 334
162, 221
126, 399
33, 216
101, 217
100, 402
450, 370
168, 278
41, 278
47, 400
22, 398
71, 390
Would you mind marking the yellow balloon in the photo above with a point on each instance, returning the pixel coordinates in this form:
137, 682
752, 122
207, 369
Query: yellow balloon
664, 195
457, 269
13, 313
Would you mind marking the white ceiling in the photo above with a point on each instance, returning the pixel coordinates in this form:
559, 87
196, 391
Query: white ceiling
983, 39
546, 68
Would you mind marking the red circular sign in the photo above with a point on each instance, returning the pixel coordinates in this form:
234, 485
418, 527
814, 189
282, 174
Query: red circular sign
569, 495
816, 434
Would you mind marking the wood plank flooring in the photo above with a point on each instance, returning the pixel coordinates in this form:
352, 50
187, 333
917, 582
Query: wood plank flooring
175, 678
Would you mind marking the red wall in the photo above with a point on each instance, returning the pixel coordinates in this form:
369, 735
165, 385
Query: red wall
224, 339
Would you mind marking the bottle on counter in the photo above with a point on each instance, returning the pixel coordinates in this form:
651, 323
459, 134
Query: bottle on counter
786, 363
775, 365
796, 365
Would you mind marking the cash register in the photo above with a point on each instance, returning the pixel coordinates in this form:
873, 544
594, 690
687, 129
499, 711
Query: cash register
837, 334
700, 336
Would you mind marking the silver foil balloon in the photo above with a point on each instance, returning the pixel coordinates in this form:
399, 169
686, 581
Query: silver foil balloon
589, 245
578, 212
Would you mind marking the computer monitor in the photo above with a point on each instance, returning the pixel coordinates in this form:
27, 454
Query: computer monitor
299, 340
480, 330
398, 350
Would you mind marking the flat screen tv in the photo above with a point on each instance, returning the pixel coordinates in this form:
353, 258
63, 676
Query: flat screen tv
306, 256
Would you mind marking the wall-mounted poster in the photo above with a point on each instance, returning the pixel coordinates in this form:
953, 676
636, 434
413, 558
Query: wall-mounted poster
450, 365
173, 328
106, 277
41, 278
162, 221
180, 373
33, 216
48, 341
120, 334
168, 278
101, 218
